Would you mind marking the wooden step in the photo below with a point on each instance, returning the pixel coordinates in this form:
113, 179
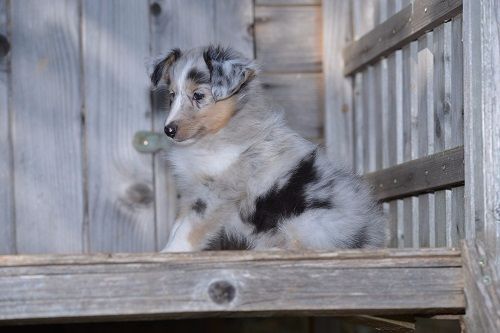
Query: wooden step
58, 288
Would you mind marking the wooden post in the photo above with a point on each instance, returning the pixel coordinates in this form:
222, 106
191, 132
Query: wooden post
482, 163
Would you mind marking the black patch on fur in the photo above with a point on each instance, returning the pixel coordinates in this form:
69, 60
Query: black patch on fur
290, 200
198, 76
223, 241
359, 240
199, 206
171, 57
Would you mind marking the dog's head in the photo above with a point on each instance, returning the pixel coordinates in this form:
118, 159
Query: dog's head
204, 88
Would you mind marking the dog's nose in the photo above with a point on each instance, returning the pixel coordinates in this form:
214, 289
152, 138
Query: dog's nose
171, 129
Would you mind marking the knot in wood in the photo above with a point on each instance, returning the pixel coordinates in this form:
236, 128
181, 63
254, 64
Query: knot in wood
155, 8
140, 194
4, 46
221, 292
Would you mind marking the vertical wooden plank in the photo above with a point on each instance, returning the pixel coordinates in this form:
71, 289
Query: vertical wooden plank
359, 124
426, 131
370, 120
410, 134
482, 122
47, 144
362, 20
442, 128
172, 26
457, 121
338, 89
363, 16
8, 233
120, 180
473, 119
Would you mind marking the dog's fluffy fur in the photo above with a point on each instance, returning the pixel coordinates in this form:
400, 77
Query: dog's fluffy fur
247, 181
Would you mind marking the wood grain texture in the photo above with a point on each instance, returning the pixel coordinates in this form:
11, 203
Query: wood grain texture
122, 287
395, 142
301, 97
423, 175
289, 39
173, 27
287, 2
46, 126
407, 25
120, 180
482, 119
338, 98
7, 223
481, 289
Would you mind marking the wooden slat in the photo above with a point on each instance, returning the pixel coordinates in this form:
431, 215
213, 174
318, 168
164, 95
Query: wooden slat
481, 288
119, 287
301, 97
425, 126
287, 2
46, 126
457, 122
172, 26
407, 25
338, 98
120, 180
8, 235
410, 138
423, 175
288, 39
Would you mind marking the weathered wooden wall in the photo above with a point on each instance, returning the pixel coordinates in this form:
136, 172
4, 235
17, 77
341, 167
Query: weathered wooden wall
403, 105
74, 90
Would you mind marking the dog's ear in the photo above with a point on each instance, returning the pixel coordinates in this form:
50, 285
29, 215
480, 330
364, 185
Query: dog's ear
229, 71
161, 65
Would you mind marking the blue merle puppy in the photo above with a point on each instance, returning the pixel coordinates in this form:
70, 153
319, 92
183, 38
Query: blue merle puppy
247, 181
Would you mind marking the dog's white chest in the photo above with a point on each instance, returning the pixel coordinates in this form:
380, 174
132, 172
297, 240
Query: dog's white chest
202, 163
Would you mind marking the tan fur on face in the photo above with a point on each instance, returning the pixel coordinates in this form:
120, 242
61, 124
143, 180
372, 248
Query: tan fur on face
199, 232
210, 119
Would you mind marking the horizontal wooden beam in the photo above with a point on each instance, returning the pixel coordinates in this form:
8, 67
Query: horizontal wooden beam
428, 174
405, 26
140, 286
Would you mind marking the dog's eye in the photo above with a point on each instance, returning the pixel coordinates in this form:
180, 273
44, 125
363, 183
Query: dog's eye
171, 95
198, 96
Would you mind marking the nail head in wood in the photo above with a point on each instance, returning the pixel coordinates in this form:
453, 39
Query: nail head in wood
221, 292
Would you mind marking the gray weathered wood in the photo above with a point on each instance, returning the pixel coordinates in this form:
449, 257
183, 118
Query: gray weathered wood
287, 2
423, 175
425, 126
288, 39
173, 27
410, 134
338, 98
46, 126
363, 16
300, 95
407, 25
370, 120
481, 289
482, 122
51, 288
120, 180
7, 225
457, 121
